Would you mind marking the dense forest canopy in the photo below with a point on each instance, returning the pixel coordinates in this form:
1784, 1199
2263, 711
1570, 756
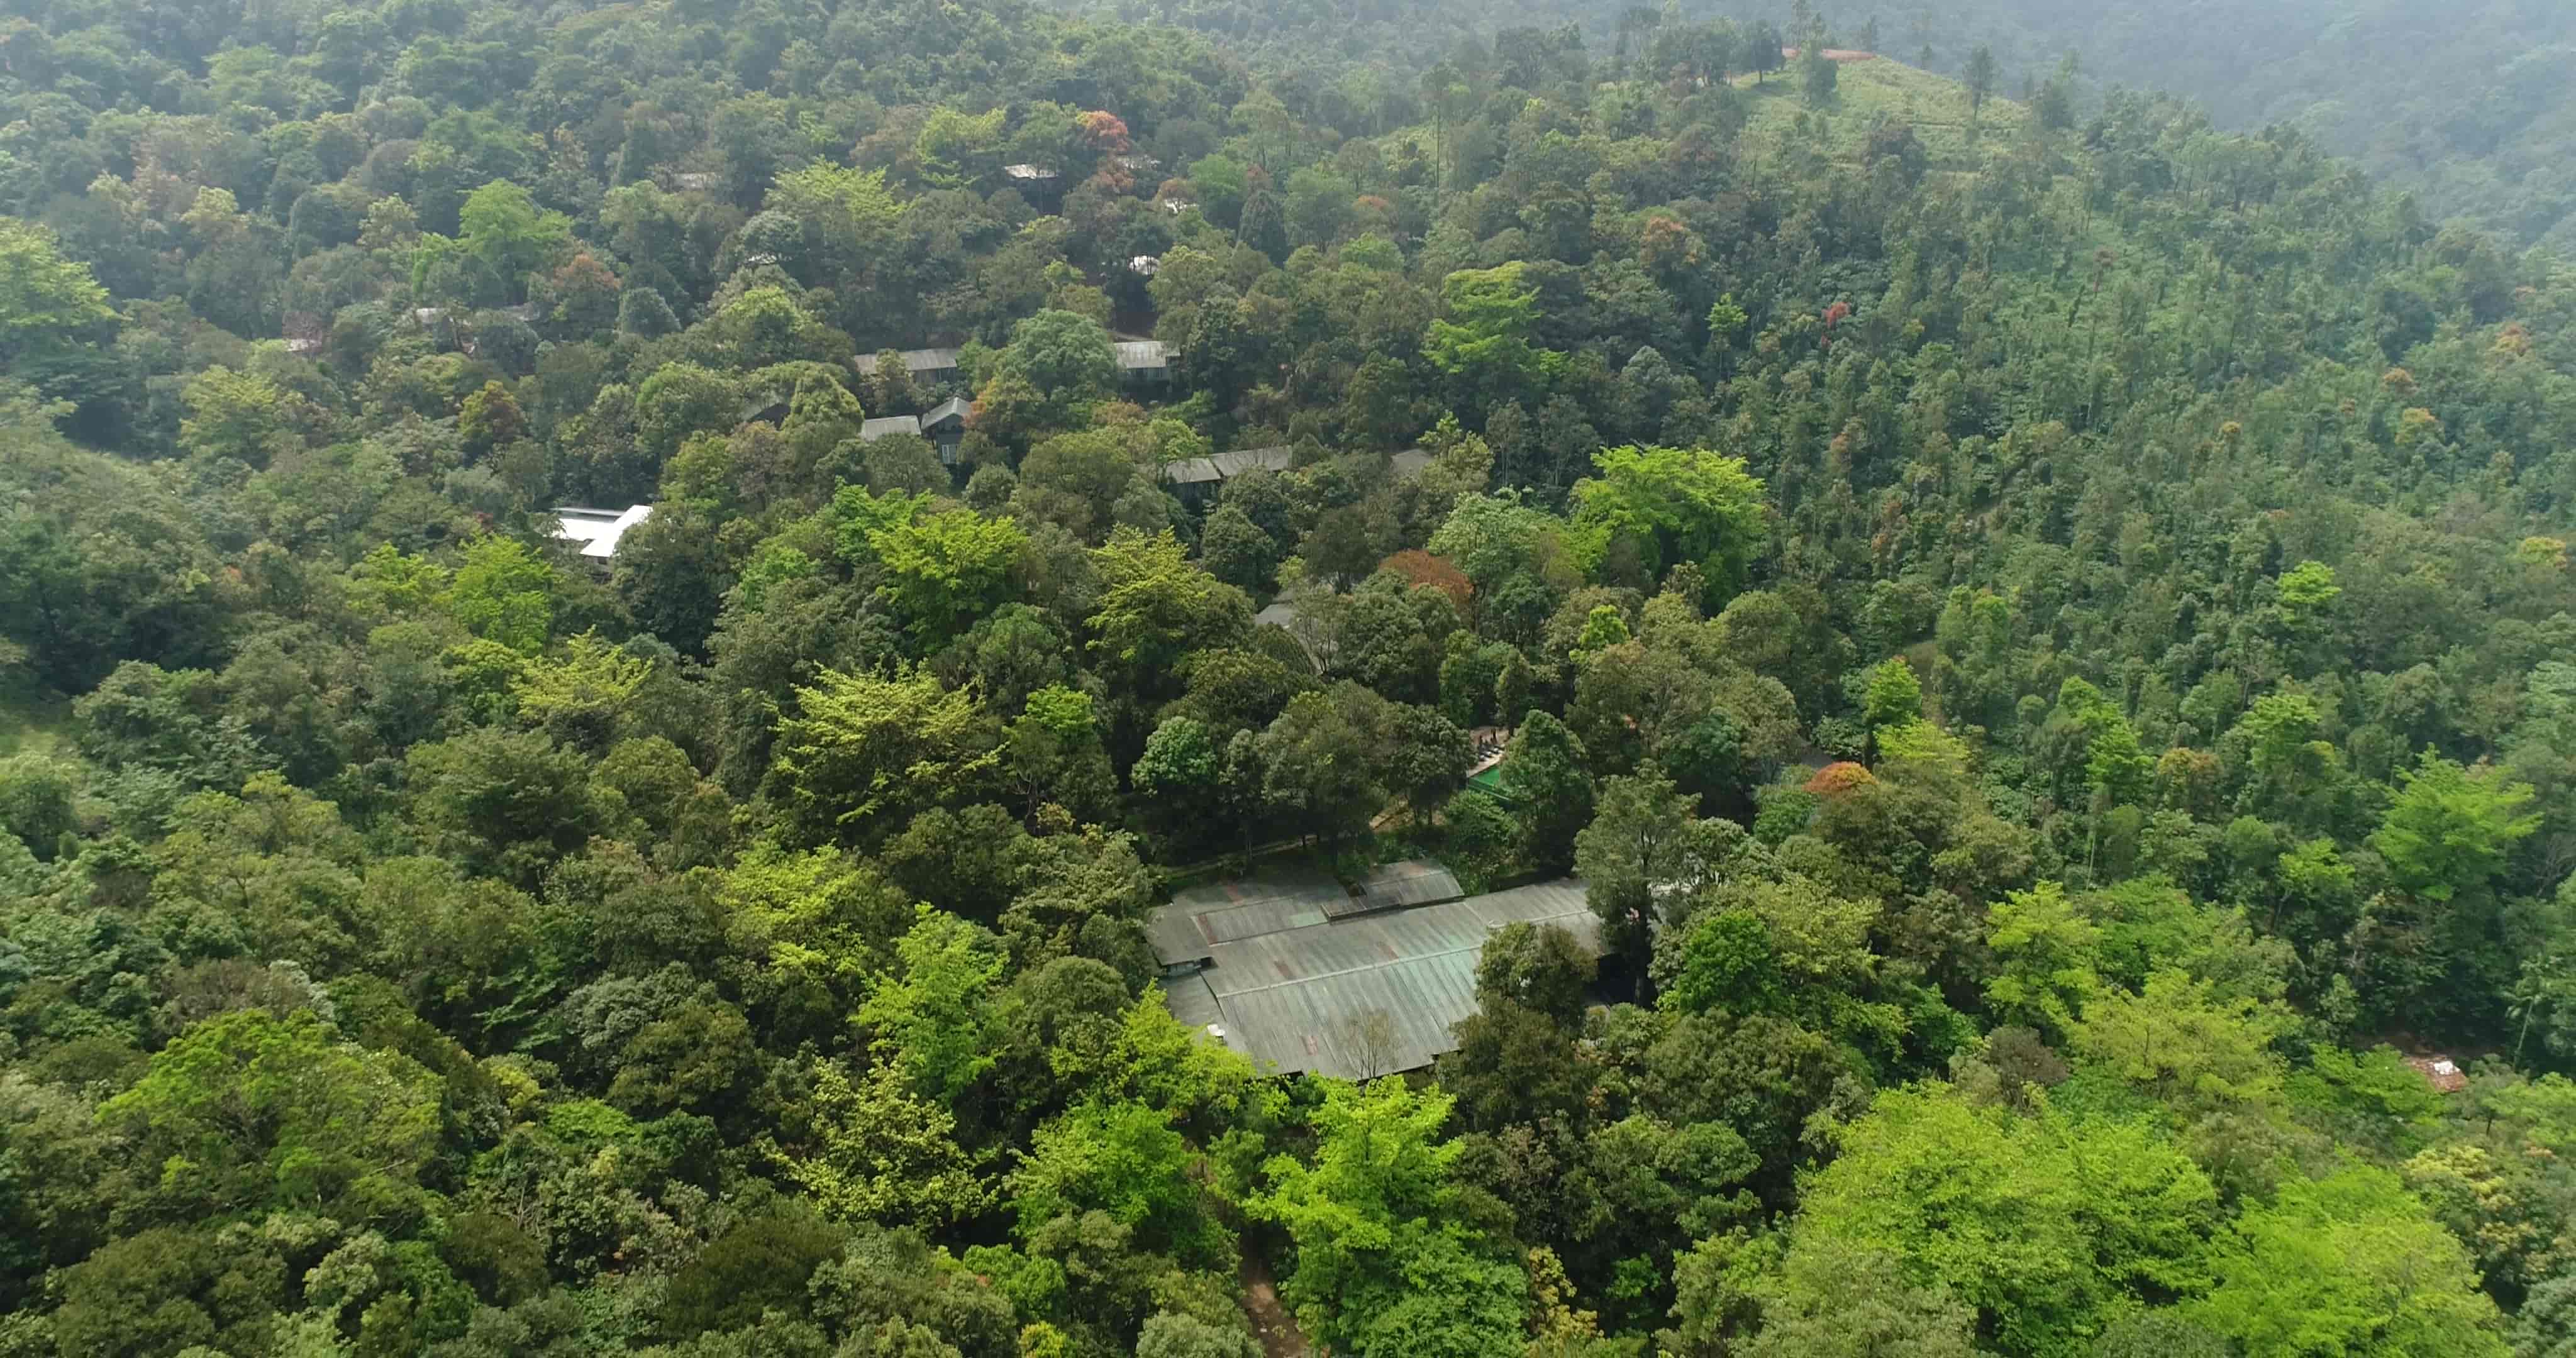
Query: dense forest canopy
2042, 627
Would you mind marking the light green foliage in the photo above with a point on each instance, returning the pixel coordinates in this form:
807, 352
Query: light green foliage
819, 925
1484, 330
2281, 738
2185, 1045
1602, 629
503, 226
2042, 1226
251, 1109
957, 148
234, 415
1156, 606
931, 1013
1384, 1262
859, 516
2449, 830
43, 296
865, 751
1674, 506
2044, 953
1893, 696
1919, 749
1170, 1335
579, 698
1055, 751
1126, 1160
2346, 1264
2305, 592
882, 1152
825, 192
945, 570
2112, 763
1850, 1301
503, 593
1066, 357
1180, 761
388, 581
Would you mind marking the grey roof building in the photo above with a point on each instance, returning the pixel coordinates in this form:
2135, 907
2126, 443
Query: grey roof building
1241, 460
1196, 477
931, 365
945, 424
1292, 971
890, 424
1143, 360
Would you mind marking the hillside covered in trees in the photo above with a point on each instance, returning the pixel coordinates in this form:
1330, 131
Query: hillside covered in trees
2045, 632
2468, 106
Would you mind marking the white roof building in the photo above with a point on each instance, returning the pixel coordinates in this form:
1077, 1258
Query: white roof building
597, 530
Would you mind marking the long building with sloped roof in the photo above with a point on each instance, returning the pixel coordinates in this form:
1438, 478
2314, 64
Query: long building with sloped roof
1303, 975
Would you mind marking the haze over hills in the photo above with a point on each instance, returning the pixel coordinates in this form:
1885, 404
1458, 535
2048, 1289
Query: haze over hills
2471, 105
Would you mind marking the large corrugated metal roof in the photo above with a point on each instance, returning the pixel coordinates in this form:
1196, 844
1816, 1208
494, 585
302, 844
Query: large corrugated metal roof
1192, 1002
1202, 916
1134, 354
1305, 997
889, 424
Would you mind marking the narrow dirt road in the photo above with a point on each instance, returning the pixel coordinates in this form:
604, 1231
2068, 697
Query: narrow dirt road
1280, 1337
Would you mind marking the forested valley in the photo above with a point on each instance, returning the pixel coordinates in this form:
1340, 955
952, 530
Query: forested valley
2041, 631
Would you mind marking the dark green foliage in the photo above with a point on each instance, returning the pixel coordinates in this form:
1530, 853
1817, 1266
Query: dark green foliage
2042, 627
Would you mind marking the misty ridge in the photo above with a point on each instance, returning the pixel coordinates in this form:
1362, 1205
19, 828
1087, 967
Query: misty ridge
2471, 105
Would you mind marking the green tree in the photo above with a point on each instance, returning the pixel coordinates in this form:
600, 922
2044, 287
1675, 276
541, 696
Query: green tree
1980, 75
501, 225
1323, 758
2045, 1228
943, 571
2345, 1264
1483, 335
1893, 696
833, 196
2186, 1045
1551, 794
2044, 948
864, 751
882, 1152
235, 415
1055, 753
51, 309
932, 1015
510, 802
1672, 506
252, 1109
1065, 357
1154, 607
503, 593
2449, 830
1386, 1262
1126, 1160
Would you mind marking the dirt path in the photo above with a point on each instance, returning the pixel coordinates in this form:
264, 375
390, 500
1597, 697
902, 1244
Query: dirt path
1280, 1337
